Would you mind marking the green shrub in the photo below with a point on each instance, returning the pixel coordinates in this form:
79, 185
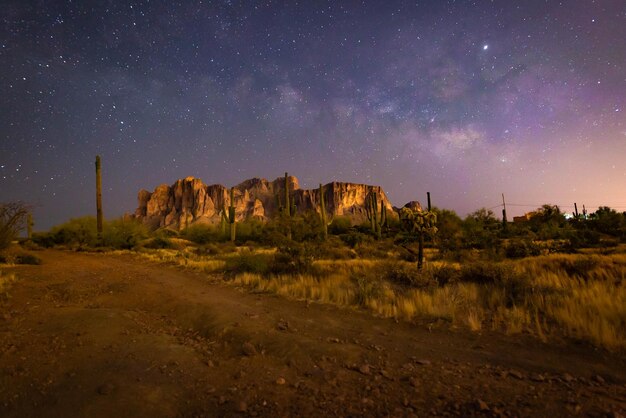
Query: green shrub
293, 259
123, 233
201, 234
27, 259
79, 232
159, 242
340, 225
248, 262
519, 248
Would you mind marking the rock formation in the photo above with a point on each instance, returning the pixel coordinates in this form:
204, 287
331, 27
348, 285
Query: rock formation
190, 201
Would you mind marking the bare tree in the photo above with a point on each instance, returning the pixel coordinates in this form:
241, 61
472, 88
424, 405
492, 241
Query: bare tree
13, 217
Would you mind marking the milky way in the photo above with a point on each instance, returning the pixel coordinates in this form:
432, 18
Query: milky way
466, 100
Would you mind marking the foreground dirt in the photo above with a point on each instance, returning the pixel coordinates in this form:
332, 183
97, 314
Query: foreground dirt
99, 335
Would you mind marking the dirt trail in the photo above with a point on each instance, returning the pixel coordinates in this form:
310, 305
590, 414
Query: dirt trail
98, 335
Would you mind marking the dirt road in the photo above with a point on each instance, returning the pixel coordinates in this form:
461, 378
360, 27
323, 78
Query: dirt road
96, 335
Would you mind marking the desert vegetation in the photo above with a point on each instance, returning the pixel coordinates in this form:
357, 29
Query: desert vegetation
548, 277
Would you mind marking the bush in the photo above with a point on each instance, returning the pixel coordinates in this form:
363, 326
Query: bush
123, 233
501, 275
248, 262
27, 259
75, 232
159, 242
12, 219
293, 259
521, 248
340, 225
201, 234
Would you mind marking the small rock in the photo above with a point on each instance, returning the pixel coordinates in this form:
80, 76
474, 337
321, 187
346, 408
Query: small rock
516, 374
566, 377
283, 325
333, 340
365, 369
386, 375
537, 378
423, 362
248, 349
280, 381
105, 389
210, 389
599, 378
414, 382
242, 406
482, 405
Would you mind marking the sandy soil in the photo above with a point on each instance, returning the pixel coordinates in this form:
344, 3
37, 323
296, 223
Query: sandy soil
98, 335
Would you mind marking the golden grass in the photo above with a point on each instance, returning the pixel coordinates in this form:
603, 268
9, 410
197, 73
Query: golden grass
6, 279
579, 295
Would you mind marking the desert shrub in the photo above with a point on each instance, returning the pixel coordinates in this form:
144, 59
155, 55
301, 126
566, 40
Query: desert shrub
293, 259
485, 272
159, 242
13, 217
355, 238
520, 248
444, 274
366, 290
209, 249
200, 234
27, 259
123, 233
247, 261
79, 232
340, 225
408, 274
250, 230
498, 275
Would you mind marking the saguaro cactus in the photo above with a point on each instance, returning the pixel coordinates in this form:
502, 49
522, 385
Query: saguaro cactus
290, 207
371, 210
230, 216
99, 196
323, 212
29, 225
420, 223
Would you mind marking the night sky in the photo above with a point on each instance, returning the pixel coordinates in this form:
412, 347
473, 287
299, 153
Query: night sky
463, 99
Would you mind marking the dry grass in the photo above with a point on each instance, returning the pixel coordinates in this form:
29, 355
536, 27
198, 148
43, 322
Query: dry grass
581, 296
6, 279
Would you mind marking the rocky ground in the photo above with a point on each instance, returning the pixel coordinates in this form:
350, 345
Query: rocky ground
102, 335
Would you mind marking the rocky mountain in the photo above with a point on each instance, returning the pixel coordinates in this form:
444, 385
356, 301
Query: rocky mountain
189, 201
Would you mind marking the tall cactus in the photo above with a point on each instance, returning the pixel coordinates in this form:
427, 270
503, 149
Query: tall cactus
99, 197
323, 212
29, 225
420, 223
290, 207
371, 210
230, 216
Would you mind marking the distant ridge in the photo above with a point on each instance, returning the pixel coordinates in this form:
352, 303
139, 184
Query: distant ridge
190, 201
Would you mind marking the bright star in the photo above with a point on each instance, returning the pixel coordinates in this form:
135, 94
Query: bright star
485, 47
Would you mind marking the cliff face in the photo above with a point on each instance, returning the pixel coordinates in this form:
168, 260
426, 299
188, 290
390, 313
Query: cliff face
189, 200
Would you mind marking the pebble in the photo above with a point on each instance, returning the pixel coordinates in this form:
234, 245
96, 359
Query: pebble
482, 405
365, 369
280, 381
105, 389
248, 349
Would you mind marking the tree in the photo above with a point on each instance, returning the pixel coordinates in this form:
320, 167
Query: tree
481, 229
13, 217
449, 232
608, 221
420, 223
